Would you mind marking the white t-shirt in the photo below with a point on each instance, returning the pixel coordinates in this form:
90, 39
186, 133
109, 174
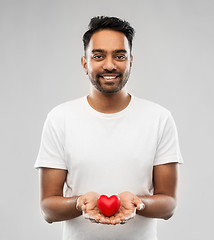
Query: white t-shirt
108, 154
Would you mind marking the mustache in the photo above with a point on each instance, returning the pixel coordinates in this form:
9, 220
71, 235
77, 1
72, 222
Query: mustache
109, 72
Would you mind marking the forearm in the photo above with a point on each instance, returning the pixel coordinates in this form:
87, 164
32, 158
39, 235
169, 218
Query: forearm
58, 208
157, 206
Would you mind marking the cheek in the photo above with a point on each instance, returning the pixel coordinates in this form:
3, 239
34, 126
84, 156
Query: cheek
93, 68
126, 68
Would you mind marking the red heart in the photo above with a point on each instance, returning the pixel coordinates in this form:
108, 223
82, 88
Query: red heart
108, 206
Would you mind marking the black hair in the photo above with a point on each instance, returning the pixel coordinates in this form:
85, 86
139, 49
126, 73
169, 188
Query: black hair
113, 23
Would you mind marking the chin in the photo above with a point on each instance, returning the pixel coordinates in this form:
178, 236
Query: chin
111, 89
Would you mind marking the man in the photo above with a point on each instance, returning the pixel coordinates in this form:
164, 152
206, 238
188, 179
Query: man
109, 142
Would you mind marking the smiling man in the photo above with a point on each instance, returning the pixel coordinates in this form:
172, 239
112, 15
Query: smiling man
109, 142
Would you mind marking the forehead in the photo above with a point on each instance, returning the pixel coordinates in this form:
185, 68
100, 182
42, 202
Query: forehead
108, 40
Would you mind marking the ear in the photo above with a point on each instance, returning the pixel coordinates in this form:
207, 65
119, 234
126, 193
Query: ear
84, 64
131, 61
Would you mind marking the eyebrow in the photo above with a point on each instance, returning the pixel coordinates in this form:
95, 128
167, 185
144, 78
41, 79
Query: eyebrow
97, 50
116, 51
120, 51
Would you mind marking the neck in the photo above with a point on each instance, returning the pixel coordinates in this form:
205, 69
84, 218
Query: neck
109, 103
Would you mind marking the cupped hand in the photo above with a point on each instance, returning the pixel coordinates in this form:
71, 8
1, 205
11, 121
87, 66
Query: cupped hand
128, 205
88, 204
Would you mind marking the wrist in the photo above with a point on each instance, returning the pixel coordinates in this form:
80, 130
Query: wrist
78, 207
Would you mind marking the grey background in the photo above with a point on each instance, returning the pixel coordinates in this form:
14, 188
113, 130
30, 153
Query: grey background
40, 51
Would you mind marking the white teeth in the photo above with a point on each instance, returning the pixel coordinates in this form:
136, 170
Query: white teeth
109, 77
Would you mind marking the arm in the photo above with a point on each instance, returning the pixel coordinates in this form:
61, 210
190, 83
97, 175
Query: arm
163, 201
160, 205
54, 206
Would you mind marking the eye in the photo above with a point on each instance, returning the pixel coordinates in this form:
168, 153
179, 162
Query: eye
97, 57
121, 57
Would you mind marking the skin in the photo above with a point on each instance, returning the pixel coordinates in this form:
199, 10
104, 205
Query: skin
108, 55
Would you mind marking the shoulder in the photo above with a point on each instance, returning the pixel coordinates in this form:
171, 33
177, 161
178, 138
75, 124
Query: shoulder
62, 110
150, 108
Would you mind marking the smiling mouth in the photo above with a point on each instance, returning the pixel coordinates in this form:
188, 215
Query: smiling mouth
109, 77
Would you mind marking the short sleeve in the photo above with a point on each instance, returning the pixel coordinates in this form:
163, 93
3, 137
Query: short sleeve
168, 149
51, 152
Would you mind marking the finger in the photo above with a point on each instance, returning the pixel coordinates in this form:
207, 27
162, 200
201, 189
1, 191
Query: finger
103, 220
116, 220
140, 206
112, 220
97, 217
123, 222
138, 203
83, 208
122, 218
94, 221
79, 203
119, 216
107, 220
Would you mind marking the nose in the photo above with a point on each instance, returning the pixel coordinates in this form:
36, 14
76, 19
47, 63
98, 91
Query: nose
109, 64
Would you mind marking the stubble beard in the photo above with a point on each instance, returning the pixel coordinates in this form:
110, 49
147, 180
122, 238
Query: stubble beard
97, 84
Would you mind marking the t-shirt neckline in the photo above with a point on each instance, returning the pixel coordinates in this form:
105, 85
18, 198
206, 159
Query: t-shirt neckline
109, 115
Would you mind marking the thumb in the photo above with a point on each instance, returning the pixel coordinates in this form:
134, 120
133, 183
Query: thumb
83, 208
80, 203
138, 203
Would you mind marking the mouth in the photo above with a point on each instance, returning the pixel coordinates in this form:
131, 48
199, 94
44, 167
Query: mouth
110, 77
